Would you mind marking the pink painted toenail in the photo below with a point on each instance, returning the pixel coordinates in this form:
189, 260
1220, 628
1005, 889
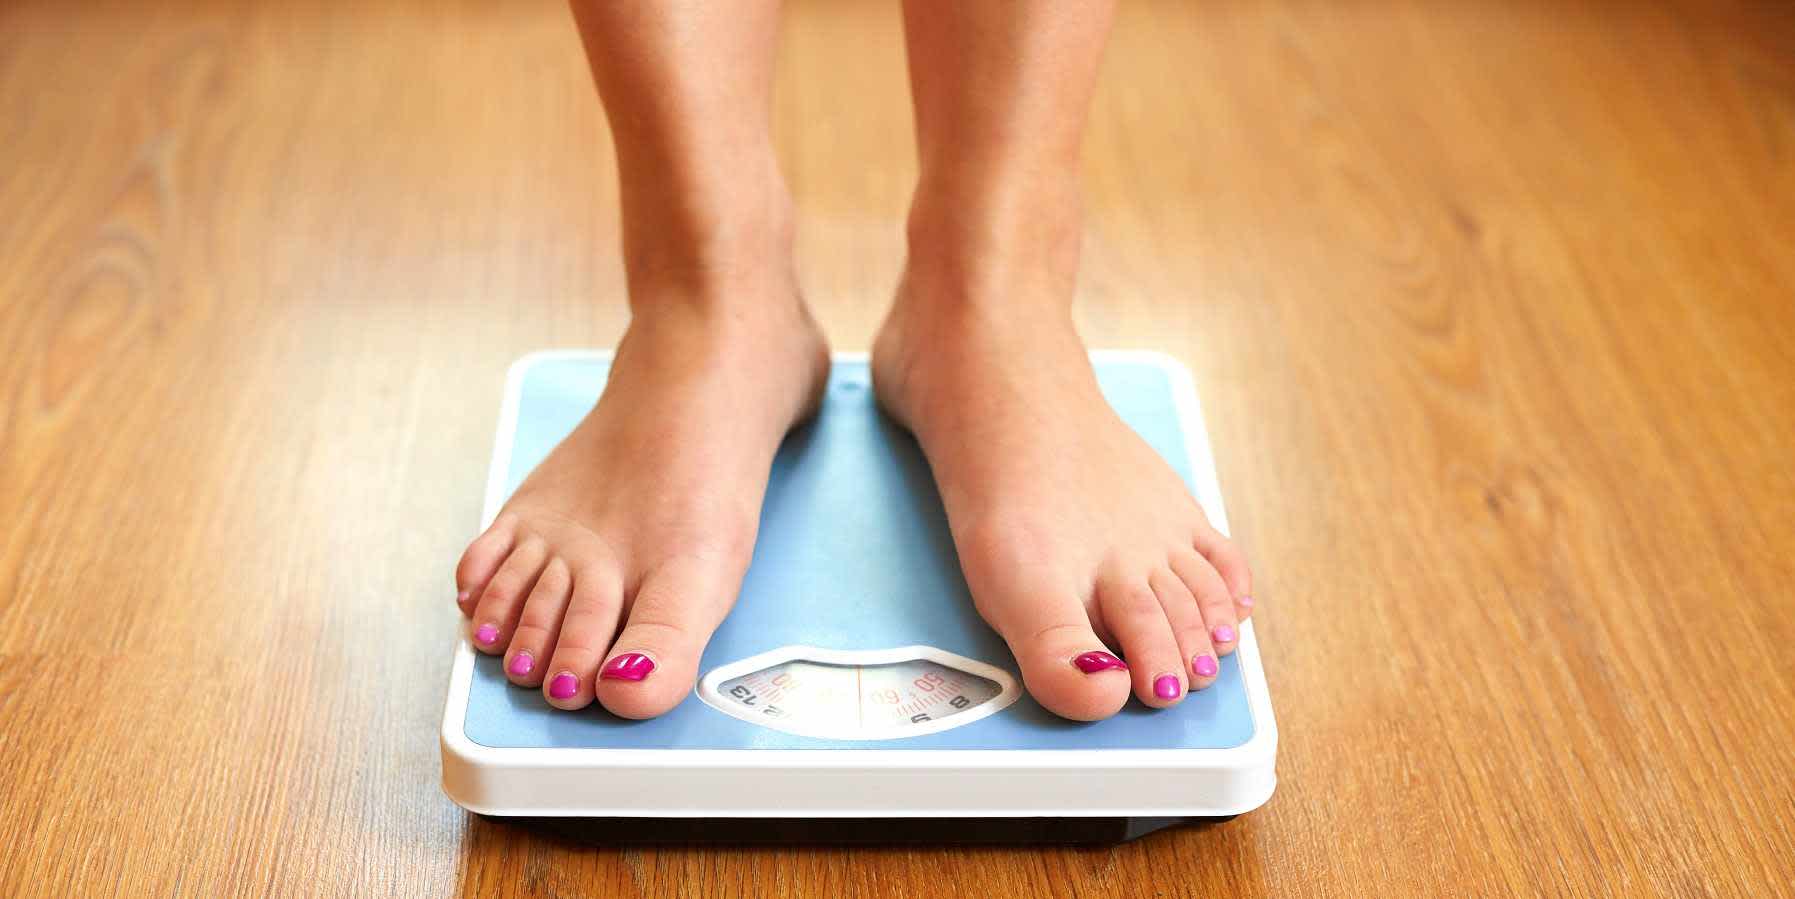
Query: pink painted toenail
1246, 602
564, 686
1093, 662
486, 634
1166, 686
521, 664
1223, 633
1204, 666
629, 666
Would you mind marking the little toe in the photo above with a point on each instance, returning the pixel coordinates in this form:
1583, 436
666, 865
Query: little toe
1216, 605
537, 626
1138, 619
584, 633
1188, 628
495, 613
655, 660
481, 560
1225, 557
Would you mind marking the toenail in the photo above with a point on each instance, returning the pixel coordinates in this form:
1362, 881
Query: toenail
564, 686
521, 664
487, 634
1223, 633
1093, 662
461, 598
1246, 602
1204, 666
1166, 686
629, 666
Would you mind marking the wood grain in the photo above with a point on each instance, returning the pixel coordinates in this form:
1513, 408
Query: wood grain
1492, 305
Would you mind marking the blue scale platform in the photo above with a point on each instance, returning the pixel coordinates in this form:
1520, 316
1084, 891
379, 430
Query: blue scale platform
854, 553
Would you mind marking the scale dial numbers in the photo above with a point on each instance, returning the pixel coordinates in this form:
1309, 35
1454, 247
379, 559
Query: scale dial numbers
858, 696
875, 696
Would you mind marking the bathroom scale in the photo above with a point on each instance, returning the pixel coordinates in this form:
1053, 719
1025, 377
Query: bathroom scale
853, 694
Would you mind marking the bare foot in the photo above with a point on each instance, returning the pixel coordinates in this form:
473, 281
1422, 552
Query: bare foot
1078, 541
645, 516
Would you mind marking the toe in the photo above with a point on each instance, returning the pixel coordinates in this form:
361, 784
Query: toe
481, 560
1213, 599
496, 611
1138, 619
1225, 557
655, 660
585, 632
1188, 628
539, 623
1065, 667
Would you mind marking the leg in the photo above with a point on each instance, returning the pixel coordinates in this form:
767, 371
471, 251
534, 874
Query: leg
1074, 535
644, 518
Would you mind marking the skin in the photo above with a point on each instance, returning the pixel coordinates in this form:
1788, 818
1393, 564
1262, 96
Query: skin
633, 536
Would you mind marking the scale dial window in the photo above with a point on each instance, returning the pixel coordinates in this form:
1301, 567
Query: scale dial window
846, 695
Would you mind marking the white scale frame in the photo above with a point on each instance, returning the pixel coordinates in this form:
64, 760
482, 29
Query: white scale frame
861, 782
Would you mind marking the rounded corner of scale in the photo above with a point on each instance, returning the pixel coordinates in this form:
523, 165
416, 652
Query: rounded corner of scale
458, 747
1261, 792
514, 373
522, 364
1170, 363
1260, 751
1251, 774
465, 766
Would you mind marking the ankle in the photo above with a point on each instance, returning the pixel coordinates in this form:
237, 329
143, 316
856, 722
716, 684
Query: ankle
1002, 241
730, 244
934, 344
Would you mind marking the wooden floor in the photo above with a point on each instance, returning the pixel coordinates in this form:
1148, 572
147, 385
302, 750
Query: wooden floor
1492, 306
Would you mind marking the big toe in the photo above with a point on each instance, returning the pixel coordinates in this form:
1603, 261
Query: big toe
654, 662
1064, 666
